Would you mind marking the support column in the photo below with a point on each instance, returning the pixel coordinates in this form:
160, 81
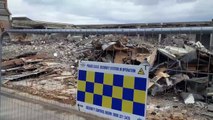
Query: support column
159, 38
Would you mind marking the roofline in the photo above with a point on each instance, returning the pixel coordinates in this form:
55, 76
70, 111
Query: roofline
160, 23
42, 22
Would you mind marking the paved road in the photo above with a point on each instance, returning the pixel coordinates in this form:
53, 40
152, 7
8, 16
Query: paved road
14, 109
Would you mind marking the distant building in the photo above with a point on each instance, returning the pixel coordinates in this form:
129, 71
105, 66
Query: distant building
4, 16
27, 23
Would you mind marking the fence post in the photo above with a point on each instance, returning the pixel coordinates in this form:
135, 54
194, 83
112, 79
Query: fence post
1, 41
1, 38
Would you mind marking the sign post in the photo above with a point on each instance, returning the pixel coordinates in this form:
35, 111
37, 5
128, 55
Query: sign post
114, 91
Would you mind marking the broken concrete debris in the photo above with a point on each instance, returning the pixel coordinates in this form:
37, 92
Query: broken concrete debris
185, 68
33, 73
191, 71
188, 98
180, 63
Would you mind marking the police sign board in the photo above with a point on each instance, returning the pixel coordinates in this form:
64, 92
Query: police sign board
114, 91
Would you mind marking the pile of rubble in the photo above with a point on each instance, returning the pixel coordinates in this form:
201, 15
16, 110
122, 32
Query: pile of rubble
37, 74
185, 68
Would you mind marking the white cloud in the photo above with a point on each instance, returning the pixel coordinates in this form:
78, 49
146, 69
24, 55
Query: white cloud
113, 11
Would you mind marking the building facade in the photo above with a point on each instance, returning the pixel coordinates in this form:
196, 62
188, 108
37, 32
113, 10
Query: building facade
4, 16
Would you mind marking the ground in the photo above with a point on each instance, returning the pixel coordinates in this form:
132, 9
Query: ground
14, 109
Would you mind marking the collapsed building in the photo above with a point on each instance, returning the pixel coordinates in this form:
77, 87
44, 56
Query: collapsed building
46, 65
205, 39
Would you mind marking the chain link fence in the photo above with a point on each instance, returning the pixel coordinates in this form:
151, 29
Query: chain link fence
39, 70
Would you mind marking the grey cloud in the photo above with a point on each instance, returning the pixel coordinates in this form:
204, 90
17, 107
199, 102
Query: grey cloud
44, 2
114, 11
157, 2
185, 1
142, 2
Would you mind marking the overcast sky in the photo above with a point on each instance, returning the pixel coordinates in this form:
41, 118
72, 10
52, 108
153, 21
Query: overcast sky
113, 11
